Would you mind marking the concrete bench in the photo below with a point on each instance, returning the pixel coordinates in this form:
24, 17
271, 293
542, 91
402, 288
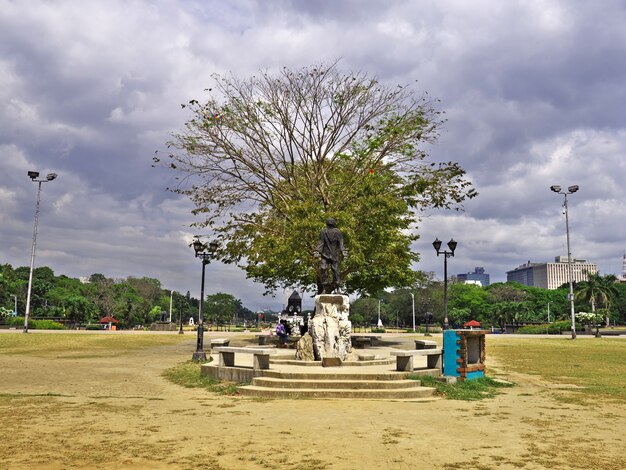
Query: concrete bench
404, 359
261, 358
425, 344
266, 339
363, 341
215, 342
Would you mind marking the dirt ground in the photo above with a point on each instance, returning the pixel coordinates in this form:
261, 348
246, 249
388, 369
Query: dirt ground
120, 413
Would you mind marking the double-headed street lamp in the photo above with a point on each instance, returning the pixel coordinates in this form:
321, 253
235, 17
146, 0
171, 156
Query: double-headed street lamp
446, 254
33, 176
570, 296
205, 253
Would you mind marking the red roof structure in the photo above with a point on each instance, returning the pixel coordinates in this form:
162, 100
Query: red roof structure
109, 319
472, 324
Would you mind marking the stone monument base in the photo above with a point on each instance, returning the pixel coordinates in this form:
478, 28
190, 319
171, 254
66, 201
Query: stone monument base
330, 328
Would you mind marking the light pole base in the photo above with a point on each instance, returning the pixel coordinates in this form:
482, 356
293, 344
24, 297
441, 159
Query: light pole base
199, 356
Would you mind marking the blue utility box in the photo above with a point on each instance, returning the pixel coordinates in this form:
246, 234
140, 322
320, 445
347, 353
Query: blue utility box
464, 354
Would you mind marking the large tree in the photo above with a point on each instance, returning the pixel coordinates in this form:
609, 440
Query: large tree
268, 159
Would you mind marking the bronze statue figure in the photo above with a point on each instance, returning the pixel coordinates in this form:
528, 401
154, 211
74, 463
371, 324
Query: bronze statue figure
329, 246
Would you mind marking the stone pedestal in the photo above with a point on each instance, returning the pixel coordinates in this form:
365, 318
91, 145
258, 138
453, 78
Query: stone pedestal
304, 348
330, 328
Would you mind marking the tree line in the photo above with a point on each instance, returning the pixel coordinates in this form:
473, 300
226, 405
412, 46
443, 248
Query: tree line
497, 305
132, 301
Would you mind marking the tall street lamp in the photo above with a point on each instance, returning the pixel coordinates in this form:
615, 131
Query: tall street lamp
549, 311
446, 254
413, 302
15, 309
205, 253
570, 296
33, 176
171, 295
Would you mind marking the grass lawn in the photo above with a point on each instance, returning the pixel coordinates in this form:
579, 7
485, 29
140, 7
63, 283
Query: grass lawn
598, 365
81, 345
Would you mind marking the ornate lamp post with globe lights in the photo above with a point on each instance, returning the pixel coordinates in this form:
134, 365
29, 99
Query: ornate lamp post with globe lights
33, 175
205, 253
570, 296
446, 254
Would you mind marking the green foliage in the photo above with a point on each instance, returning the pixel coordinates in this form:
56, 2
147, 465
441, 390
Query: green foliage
5, 312
277, 155
470, 390
545, 329
221, 308
34, 324
597, 291
134, 301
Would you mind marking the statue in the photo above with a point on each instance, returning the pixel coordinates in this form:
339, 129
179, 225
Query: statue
329, 246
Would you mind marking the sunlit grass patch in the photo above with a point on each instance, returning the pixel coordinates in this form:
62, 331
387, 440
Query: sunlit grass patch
597, 365
78, 346
188, 375
470, 390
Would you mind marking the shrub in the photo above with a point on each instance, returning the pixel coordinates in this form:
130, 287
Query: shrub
378, 330
539, 329
15, 321
45, 325
35, 324
549, 328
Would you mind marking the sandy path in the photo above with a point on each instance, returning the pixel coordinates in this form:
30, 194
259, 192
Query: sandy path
118, 412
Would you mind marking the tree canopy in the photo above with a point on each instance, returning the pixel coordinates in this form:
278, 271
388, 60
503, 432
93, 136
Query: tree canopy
268, 159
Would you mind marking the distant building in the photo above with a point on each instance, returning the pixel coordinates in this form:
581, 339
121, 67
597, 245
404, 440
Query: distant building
551, 275
479, 275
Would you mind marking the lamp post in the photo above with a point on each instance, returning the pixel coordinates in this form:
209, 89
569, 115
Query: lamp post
205, 253
413, 303
33, 175
15, 309
549, 311
180, 320
171, 295
570, 296
446, 254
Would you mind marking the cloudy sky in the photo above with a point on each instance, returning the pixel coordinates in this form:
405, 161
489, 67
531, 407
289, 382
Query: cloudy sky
534, 91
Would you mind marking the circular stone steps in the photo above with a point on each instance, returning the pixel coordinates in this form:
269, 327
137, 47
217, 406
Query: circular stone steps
362, 363
387, 386
335, 384
385, 394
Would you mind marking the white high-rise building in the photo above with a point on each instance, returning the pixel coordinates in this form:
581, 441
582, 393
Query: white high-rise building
551, 275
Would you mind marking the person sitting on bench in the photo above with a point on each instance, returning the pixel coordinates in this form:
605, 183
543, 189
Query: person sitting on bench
282, 333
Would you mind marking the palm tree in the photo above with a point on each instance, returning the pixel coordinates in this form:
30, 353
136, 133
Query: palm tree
609, 284
596, 290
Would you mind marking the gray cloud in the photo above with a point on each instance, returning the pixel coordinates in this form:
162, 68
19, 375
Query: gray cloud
534, 94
